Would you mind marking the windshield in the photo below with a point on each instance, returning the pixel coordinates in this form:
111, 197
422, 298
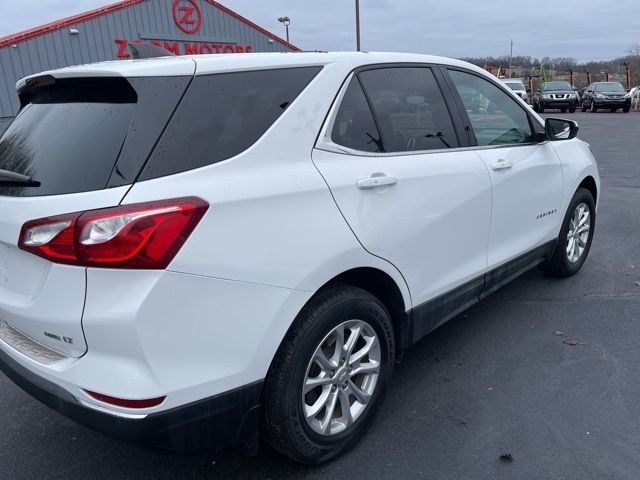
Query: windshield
610, 87
515, 85
556, 86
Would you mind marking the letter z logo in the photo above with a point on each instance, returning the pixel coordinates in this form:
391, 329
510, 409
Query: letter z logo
186, 18
187, 15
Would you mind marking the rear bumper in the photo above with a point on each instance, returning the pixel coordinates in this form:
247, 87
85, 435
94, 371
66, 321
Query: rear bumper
230, 418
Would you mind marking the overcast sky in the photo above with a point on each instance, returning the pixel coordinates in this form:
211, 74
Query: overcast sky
583, 29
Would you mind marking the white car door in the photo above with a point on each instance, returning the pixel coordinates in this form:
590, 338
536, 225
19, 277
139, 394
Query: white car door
409, 194
526, 174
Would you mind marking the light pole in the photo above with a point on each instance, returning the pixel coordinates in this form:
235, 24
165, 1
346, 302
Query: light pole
358, 25
285, 21
510, 58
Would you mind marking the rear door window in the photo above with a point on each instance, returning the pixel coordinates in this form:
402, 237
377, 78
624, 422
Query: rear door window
68, 136
222, 115
410, 109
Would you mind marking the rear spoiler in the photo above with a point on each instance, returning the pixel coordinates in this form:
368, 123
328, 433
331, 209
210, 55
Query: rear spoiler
48, 89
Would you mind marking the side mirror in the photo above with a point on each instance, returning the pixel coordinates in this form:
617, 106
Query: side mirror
560, 129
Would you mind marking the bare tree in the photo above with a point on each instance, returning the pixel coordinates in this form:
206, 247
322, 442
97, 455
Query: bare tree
633, 59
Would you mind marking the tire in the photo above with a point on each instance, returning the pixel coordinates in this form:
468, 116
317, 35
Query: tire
559, 264
563, 110
613, 110
583, 108
540, 109
572, 110
285, 424
593, 108
626, 109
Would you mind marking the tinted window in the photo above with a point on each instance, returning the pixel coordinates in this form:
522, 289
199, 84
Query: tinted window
562, 86
354, 126
496, 118
68, 136
224, 114
515, 85
409, 108
610, 87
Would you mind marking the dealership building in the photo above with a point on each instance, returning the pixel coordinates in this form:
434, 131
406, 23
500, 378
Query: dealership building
183, 27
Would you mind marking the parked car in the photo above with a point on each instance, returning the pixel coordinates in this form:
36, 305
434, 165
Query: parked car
606, 95
555, 95
193, 247
517, 85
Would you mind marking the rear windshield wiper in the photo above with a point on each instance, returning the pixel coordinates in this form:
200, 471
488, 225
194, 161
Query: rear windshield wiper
11, 179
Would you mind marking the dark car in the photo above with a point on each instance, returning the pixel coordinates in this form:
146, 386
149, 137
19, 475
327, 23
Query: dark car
606, 95
558, 95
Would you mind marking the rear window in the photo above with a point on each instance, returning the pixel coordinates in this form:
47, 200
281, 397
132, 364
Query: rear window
222, 115
68, 135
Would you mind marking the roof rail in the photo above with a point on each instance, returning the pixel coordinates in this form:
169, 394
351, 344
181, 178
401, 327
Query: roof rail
147, 50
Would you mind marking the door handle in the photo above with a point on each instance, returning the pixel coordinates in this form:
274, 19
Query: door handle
376, 181
501, 165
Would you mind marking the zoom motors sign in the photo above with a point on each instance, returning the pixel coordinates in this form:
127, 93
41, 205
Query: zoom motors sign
178, 47
188, 18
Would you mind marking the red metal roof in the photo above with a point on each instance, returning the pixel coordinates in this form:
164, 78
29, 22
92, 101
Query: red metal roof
83, 17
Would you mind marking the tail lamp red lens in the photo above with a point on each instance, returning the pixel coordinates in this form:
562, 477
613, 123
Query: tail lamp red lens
139, 236
126, 403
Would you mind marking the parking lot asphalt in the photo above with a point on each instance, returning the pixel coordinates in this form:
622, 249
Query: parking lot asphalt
499, 379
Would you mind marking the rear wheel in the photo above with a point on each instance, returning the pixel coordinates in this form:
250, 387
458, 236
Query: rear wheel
329, 375
613, 110
626, 109
575, 237
572, 110
563, 110
583, 108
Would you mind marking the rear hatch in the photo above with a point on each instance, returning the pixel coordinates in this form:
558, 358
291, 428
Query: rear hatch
84, 140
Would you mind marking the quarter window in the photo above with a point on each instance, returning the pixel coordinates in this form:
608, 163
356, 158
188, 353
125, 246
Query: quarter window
223, 115
496, 118
409, 108
354, 126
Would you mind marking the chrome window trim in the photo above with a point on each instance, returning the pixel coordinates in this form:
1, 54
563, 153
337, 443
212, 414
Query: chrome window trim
335, 148
326, 144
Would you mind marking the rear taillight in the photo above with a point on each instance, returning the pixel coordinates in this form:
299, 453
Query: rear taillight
144, 235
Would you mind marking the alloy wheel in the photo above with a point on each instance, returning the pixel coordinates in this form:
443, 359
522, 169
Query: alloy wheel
341, 377
579, 231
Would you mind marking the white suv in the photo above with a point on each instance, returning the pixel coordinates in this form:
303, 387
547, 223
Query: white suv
193, 247
517, 86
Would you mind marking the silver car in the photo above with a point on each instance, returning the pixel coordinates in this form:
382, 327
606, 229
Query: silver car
517, 85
